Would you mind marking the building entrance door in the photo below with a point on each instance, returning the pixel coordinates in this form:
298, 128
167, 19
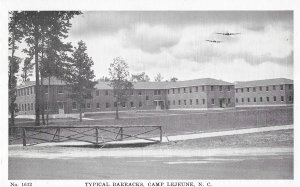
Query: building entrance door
61, 109
222, 103
159, 104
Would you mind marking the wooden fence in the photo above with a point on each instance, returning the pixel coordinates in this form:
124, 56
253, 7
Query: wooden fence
90, 134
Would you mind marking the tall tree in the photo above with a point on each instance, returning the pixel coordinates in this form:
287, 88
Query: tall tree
140, 77
158, 78
27, 69
80, 76
15, 36
38, 24
119, 81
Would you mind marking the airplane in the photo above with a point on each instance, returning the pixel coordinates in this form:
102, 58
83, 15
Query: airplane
227, 33
214, 41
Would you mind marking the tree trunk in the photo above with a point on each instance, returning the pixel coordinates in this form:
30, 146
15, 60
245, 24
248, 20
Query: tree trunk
10, 85
37, 78
42, 101
117, 111
80, 113
48, 101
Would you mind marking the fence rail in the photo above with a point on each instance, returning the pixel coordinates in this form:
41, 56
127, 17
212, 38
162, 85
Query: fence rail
91, 134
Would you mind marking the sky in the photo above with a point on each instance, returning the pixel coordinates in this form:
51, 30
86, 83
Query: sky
174, 44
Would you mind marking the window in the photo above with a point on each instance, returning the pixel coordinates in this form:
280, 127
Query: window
184, 101
212, 88
23, 106
203, 101
282, 98
131, 104
20, 107
254, 89
173, 91
147, 97
173, 102
106, 105
21, 92
242, 100
220, 88
88, 105
260, 88
179, 102
106, 92
254, 99
140, 92
140, 104
242, 90
156, 92
45, 90
184, 90
168, 91
30, 90
169, 102
228, 88
290, 99
267, 88
115, 104
261, 100
248, 99
274, 87
178, 90
97, 93
248, 89
191, 90
74, 105
98, 105
60, 89
196, 88
212, 101
228, 101
203, 88
236, 100
290, 86
197, 102
27, 91
274, 98
267, 99
83, 105
281, 87
31, 106
123, 104
236, 90
191, 101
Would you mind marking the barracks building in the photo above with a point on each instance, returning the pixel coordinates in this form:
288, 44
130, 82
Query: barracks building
191, 94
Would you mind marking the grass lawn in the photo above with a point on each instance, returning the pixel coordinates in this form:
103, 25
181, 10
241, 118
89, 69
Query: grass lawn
180, 122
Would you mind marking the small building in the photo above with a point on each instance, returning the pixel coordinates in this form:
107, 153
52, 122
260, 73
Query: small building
266, 92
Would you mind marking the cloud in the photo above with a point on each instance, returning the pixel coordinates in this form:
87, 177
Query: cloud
151, 39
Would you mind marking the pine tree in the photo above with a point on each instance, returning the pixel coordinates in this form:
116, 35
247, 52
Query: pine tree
80, 76
15, 36
37, 26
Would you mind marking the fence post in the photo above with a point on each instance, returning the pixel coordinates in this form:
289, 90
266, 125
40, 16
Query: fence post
24, 136
121, 133
97, 141
160, 134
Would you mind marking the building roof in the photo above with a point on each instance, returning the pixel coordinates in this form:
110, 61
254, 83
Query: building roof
53, 81
168, 85
101, 85
265, 82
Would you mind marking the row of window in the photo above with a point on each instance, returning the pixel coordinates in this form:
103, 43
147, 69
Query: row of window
290, 87
26, 107
196, 89
107, 105
25, 91
197, 102
261, 99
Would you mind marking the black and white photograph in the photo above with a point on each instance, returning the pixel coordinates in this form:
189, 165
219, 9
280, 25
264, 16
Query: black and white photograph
155, 95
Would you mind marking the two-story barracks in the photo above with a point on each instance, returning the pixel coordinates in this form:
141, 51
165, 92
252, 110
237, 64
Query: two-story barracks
191, 94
